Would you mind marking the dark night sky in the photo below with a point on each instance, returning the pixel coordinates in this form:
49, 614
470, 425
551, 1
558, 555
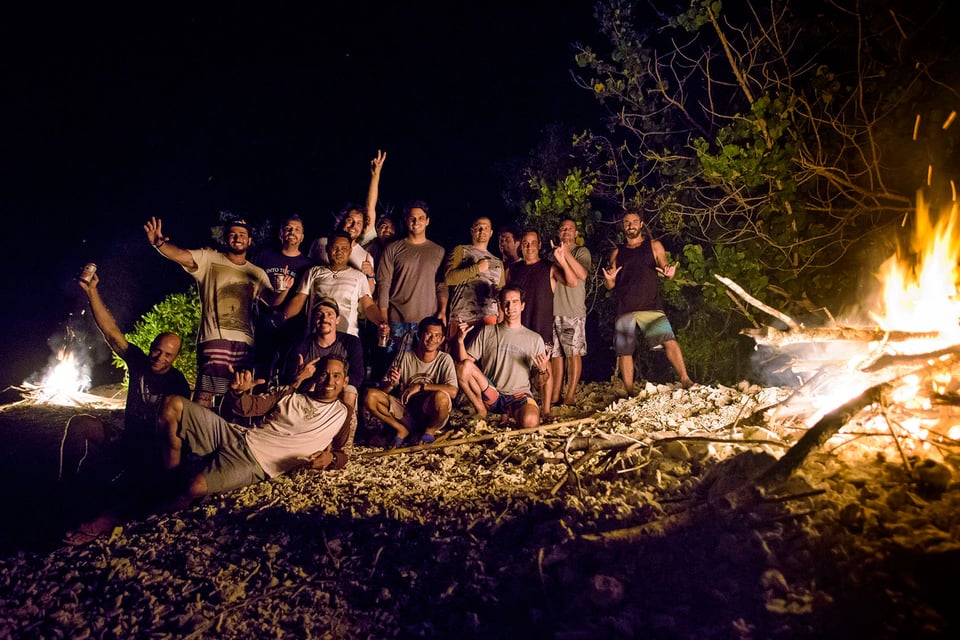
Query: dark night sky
267, 109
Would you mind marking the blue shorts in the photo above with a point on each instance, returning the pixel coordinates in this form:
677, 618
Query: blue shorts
504, 403
654, 325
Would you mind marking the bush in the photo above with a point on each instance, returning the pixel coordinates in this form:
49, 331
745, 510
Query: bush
178, 313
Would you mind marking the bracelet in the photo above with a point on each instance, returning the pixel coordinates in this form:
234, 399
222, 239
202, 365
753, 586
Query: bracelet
157, 245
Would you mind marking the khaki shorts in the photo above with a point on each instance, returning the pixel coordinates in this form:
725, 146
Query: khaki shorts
227, 462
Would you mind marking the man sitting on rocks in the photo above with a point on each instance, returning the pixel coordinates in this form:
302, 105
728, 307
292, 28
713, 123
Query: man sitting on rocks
419, 390
495, 370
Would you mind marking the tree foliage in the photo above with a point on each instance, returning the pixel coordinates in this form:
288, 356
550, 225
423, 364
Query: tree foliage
178, 313
783, 130
778, 144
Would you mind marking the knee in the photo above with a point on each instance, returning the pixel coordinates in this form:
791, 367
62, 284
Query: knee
84, 427
171, 410
197, 487
372, 398
443, 402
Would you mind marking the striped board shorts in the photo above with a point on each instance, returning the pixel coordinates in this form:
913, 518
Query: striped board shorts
214, 359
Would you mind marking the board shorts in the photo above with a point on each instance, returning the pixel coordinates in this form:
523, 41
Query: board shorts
654, 325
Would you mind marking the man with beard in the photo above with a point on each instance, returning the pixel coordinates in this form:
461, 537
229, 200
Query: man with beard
326, 340
508, 241
410, 281
337, 280
494, 371
229, 286
202, 453
419, 391
634, 267
356, 223
569, 316
287, 261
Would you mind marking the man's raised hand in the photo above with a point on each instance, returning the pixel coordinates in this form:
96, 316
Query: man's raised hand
243, 380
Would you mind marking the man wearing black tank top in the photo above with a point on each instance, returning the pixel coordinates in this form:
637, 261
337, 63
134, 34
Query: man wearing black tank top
634, 269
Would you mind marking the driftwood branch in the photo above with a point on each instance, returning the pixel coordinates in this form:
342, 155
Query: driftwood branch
740, 291
488, 436
772, 336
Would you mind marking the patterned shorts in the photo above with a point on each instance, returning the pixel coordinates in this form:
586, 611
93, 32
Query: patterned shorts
569, 336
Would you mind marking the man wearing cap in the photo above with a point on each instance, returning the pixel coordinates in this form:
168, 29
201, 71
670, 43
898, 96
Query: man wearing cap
229, 286
326, 340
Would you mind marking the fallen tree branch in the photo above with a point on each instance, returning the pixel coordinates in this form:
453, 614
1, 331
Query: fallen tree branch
488, 436
740, 291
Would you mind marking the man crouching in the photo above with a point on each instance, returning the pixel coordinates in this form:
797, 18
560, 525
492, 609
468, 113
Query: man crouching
307, 426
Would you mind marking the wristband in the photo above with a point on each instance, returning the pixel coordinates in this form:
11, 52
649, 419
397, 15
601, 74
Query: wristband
157, 245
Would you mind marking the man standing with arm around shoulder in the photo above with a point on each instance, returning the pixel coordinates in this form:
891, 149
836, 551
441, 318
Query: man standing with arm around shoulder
634, 267
229, 286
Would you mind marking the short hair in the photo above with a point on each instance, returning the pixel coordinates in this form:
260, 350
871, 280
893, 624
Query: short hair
512, 287
291, 218
333, 235
430, 321
534, 232
322, 363
511, 229
415, 204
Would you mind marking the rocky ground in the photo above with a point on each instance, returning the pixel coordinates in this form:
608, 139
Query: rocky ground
512, 536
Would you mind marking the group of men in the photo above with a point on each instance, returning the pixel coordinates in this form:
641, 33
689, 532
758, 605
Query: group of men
398, 326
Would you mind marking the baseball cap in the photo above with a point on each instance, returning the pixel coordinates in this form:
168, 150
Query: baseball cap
327, 301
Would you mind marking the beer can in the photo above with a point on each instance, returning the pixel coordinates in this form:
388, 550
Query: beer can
86, 274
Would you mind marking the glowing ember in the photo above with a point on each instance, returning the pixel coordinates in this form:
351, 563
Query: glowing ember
920, 292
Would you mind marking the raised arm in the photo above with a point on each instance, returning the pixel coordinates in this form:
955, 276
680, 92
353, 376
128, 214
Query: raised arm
170, 251
104, 319
373, 193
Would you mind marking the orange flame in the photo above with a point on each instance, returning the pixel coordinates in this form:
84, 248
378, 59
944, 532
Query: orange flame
920, 292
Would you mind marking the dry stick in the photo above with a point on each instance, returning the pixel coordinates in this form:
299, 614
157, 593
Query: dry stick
896, 441
473, 439
730, 284
618, 443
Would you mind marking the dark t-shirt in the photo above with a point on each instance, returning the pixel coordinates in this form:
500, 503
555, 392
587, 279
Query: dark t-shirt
637, 284
345, 346
534, 279
144, 394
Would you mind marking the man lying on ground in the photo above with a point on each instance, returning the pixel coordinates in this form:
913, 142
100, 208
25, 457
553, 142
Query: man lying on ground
206, 454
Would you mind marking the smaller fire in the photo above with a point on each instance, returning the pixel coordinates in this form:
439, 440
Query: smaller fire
65, 381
